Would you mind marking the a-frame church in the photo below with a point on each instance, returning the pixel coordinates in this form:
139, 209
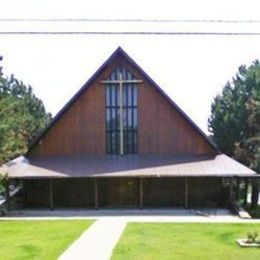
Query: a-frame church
122, 142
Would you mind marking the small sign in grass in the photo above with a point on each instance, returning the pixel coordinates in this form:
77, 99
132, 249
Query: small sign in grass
250, 241
244, 243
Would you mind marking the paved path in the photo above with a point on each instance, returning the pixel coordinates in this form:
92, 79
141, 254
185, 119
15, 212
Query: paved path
131, 215
97, 242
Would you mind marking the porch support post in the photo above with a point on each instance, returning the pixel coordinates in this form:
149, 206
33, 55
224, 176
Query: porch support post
51, 194
7, 194
245, 192
186, 199
237, 189
231, 189
141, 193
96, 193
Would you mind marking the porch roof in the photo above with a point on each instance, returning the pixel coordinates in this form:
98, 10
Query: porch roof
126, 166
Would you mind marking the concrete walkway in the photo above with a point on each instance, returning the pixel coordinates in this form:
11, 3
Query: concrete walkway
132, 215
97, 242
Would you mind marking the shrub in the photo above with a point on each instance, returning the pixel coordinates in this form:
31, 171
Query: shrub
251, 237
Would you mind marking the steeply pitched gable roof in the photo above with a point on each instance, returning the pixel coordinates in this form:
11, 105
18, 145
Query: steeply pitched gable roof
119, 52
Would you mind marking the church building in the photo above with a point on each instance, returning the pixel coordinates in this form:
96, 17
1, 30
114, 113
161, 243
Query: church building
121, 142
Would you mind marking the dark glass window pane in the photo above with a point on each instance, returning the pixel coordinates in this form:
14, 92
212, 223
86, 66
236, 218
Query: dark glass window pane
135, 118
130, 142
108, 142
108, 121
124, 95
124, 119
129, 95
129, 114
107, 96
123, 73
118, 142
118, 119
113, 75
117, 96
118, 71
113, 119
135, 95
130, 118
113, 142
125, 142
135, 143
113, 95
129, 76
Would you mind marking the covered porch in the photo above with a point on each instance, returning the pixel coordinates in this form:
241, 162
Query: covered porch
125, 192
129, 181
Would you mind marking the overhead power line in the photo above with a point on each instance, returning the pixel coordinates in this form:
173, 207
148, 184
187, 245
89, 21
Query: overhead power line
127, 20
170, 33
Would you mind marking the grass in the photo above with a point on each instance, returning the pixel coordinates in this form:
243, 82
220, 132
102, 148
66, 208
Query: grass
38, 239
150, 241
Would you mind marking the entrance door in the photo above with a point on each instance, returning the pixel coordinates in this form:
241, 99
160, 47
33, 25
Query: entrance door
119, 192
164, 192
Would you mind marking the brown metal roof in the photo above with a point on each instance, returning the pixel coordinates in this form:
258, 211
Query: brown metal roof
125, 166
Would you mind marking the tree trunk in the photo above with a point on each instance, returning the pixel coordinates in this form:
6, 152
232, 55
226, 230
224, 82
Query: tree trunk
255, 194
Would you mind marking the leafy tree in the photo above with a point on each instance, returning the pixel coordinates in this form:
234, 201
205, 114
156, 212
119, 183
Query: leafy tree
235, 119
0, 66
3, 179
22, 116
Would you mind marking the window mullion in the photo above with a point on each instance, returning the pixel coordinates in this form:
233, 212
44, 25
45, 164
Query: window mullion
121, 115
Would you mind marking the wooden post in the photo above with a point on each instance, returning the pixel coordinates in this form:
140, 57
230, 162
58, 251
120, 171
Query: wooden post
245, 192
186, 199
7, 194
238, 189
96, 192
141, 193
51, 194
231, 190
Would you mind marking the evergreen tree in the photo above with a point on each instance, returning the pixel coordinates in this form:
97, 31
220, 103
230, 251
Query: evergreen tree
235, 119
22, 116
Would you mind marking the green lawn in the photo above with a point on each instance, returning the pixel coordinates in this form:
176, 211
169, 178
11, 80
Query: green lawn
38, 239
143, 241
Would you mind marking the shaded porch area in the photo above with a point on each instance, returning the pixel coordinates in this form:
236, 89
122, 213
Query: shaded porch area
131, 181
128, 192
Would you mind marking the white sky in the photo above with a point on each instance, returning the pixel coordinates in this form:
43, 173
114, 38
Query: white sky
190, 69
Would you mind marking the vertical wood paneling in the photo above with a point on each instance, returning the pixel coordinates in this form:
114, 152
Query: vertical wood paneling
161, 128
81, 128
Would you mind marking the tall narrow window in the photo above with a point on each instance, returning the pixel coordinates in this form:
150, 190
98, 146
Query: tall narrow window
121, 112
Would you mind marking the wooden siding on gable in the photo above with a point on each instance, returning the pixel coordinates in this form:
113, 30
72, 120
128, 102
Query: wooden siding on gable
81, 128
161, 128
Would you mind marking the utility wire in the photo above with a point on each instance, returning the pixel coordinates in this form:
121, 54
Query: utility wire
203, 33
128, 20
170, 33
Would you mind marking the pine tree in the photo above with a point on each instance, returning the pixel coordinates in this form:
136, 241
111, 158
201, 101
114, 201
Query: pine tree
235, 119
